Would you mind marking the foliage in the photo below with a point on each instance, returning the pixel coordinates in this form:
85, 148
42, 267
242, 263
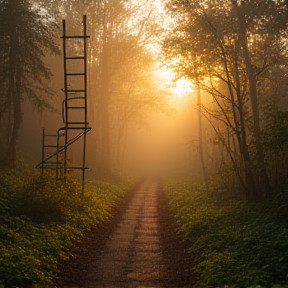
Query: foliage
231, 49
28, 33
41, 220
233, 242
122, 72
274, 141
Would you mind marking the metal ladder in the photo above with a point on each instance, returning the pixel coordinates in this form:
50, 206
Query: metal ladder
74, 108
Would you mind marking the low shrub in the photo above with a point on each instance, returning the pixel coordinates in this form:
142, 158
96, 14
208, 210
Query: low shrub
40, 220
234, 242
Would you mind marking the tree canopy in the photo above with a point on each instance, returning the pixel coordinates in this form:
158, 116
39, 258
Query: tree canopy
28, 33
229, 49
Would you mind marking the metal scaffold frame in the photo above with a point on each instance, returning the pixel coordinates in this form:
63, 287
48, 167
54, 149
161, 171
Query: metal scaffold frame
70, 105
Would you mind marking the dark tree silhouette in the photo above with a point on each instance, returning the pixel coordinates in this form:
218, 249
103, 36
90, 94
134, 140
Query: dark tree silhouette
27, 33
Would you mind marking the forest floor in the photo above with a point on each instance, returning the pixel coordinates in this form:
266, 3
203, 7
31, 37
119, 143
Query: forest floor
138, 247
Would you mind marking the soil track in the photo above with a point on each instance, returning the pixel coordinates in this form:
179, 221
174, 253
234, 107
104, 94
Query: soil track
136, 248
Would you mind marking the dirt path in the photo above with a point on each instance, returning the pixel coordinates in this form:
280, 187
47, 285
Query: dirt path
140, 250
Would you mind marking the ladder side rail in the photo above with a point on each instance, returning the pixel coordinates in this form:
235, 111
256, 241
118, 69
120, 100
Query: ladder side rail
85, 104
66, 96
65, 69
57, 155
43, 147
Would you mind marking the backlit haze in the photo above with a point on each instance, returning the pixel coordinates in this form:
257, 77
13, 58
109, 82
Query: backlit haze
160, 137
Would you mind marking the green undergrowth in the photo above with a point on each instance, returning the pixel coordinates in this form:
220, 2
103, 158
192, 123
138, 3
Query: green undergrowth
234, 243
39, 221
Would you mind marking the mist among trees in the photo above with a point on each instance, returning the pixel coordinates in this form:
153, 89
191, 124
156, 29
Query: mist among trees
192, 93
233, 53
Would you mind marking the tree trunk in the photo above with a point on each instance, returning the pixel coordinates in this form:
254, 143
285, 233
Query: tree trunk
105, 160
263, 181
10, 155
200, 136
14, 98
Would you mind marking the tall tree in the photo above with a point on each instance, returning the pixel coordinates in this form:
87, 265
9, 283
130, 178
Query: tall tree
232, 43
134, 96
120, 32
122, 36
28, 33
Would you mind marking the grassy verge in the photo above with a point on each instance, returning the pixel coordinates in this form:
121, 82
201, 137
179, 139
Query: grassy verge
235, 243
39, 222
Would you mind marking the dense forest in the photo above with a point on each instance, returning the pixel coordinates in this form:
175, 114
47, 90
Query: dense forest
194, 92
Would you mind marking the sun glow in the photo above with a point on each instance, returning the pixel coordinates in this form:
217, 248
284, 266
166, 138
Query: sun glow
182, 88
178, 87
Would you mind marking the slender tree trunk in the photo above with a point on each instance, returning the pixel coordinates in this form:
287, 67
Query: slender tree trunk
10, 156
105, 121
118, 147
123, 150
14, 98
200, 136
105, 161
249, 185
263, 182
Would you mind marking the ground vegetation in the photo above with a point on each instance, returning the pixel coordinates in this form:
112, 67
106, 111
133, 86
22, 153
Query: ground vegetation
234, 243
42, 220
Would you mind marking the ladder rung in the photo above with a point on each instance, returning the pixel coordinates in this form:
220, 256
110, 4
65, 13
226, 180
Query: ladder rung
59, 147
87, 129
51, 135
51, 146
75, 107
74, 37
75, 74
75, 58
74, 90
77, 123
76, 98
76, 167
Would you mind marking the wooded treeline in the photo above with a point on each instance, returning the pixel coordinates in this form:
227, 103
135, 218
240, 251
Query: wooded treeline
235, 52
122, 88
